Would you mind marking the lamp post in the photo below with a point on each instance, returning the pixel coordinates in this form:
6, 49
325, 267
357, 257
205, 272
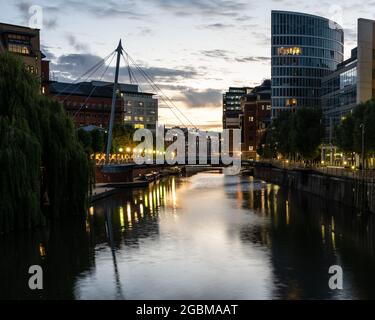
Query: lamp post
363, 145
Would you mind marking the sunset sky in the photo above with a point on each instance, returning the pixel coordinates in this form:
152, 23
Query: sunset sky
193, 49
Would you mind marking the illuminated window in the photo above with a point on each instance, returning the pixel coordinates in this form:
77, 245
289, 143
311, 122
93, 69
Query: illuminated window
43, 90
15, 48
128, 118
251, 119
139, 126
290, 102
289, 51
251, 148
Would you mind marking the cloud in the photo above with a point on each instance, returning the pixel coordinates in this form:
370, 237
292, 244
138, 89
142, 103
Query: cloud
70, 67
194, 98
229, 56
253, 59
217, 26
77, 45
48, 53
107, 9
204, 8
217, 53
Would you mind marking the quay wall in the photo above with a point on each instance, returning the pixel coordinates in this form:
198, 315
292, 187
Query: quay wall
355, 193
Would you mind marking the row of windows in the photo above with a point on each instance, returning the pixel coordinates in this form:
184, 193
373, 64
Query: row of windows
310, 52
305, 62
295, 92
16, 48
88, 105
307, 41
300, 102
296, 82
288, 23
299, 72
141, 118
131, 103
342, 81
340, 100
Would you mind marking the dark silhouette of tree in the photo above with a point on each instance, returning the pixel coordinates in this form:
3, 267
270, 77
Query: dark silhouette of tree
44, 170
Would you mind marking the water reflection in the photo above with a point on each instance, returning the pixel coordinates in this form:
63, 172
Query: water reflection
203, 237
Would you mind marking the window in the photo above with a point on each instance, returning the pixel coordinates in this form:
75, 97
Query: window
251, 119
16, 48
289, 51
139, 126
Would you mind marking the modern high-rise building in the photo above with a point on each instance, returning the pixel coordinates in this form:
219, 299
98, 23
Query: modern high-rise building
339, 94
305, 48
232, 107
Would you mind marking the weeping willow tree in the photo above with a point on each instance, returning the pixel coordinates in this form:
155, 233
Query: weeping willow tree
44, 169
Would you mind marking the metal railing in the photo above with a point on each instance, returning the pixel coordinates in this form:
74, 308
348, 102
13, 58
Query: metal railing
342, 172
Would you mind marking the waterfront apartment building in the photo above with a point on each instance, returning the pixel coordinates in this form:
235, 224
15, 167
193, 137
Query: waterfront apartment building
89, 103
25, 43
86, 103
305, 48
232, 106
140, 108
256, 108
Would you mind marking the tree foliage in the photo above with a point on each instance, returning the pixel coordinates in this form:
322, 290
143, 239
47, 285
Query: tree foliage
295, 135
123, 137
44, 170
348, 134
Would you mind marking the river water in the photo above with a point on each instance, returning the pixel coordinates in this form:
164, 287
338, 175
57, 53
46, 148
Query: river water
207, 236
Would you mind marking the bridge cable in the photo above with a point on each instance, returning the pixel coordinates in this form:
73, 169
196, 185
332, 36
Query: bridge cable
87, 72
94, 87
160, 90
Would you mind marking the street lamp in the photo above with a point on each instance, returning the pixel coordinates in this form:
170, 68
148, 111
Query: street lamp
363, 145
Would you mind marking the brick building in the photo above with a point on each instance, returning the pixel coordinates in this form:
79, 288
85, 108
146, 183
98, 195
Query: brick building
256, 108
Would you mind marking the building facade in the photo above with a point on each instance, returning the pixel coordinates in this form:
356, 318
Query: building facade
256, 108
86, 103
24, 42
305, 48
232, 107
140, 109
339, 94
352, 83
89, 103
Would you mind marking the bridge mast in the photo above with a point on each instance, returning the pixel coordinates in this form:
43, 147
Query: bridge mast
112, 118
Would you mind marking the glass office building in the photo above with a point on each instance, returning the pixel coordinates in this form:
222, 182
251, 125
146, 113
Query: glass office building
232, 110
339, 95
305, 48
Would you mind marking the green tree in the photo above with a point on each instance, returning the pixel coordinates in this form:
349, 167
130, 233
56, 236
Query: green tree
122, 137
97, 141
85, 139
44, 170
307, 133
344, 138
294, 134
348, 134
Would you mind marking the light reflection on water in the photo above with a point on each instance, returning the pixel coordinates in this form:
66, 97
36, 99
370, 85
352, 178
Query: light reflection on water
208, 236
